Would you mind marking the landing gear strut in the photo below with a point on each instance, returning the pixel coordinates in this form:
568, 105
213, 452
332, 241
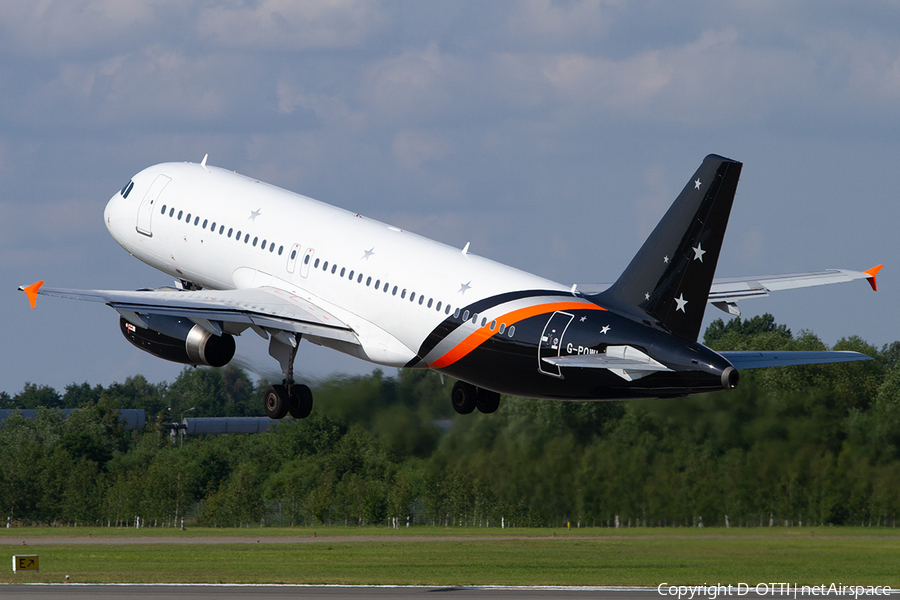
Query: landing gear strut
466, 398
289, 397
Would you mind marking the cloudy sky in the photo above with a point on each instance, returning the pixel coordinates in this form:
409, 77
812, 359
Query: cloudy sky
550, 135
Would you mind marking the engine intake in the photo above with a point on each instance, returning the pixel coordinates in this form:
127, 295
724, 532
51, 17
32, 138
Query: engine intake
180, 340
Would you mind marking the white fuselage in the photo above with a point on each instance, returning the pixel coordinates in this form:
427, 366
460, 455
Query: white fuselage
402, 286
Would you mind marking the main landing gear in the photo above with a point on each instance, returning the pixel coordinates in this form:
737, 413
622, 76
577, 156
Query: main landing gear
289, 397
466, 398
295, 399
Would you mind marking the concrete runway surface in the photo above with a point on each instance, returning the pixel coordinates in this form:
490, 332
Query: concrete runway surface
277, 592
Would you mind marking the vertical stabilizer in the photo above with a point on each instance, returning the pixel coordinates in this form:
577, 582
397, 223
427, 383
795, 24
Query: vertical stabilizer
669, 278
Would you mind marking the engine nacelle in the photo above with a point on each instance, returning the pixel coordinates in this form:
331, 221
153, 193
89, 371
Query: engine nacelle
180, 340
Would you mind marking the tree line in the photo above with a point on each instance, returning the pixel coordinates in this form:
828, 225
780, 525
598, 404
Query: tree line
808, 445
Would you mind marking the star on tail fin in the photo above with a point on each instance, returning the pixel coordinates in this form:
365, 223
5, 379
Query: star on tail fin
669, 278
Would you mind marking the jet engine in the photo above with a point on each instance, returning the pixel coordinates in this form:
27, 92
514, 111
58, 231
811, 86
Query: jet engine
180, 340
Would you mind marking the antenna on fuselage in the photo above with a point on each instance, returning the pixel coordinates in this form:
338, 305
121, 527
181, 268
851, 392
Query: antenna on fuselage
203, 162
466, 249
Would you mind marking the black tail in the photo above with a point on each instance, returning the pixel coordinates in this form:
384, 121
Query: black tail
669, 278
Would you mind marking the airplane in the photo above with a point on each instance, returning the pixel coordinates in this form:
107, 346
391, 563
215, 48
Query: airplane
247, 255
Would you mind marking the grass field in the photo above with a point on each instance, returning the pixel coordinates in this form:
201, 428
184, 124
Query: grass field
454, 556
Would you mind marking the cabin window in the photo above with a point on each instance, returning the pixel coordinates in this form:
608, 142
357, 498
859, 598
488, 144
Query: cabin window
272, 247
237, 236
351, 275
163, 211
180, 212
377, 283
456, 314
359, 279
263, 244
412, 296
212, 228
483, 321
205, 221
344, 270
306, 259
325, 266
511, 331
421, 300
334, 269
429, 302
438, 307
316, 264
368, 281
447, 310
171, 211
493, 325
502, 327
403, 293
465, 316
221, 229
394, 292
281, 249
230, 229
188, 219
196, 221
247, 238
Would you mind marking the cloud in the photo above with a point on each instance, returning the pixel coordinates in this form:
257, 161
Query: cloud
411, 148
289, 25
48, 28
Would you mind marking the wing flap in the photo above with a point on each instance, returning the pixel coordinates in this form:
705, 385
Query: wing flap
730, 289
759, 360
726, 291
264, 307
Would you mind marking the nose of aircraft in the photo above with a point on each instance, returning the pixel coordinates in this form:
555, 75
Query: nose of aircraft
114, 215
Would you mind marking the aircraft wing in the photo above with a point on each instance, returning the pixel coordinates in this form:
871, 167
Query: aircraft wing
264, 308
758, 360
726, 291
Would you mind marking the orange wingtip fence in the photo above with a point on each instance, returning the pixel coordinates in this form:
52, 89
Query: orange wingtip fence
32, 291
871, 276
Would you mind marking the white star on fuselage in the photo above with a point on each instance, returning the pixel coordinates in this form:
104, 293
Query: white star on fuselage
605, 329
463, 287
647, 296
255, 213
368, 253
697, 184
681, 303
583, 319
699, 252
666, 259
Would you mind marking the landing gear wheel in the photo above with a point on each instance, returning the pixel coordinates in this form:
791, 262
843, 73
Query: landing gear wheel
275, 402
487, 401
300, 401
463, 397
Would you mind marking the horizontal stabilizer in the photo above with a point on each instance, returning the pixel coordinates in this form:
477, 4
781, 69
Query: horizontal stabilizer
627, 362
759, 360
602, 361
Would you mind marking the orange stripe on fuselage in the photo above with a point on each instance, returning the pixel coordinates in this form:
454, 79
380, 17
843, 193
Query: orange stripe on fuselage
482, 334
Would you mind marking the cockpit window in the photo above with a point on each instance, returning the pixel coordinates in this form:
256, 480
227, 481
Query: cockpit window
127, 189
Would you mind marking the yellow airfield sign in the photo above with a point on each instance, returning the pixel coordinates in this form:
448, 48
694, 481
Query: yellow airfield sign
25, 562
